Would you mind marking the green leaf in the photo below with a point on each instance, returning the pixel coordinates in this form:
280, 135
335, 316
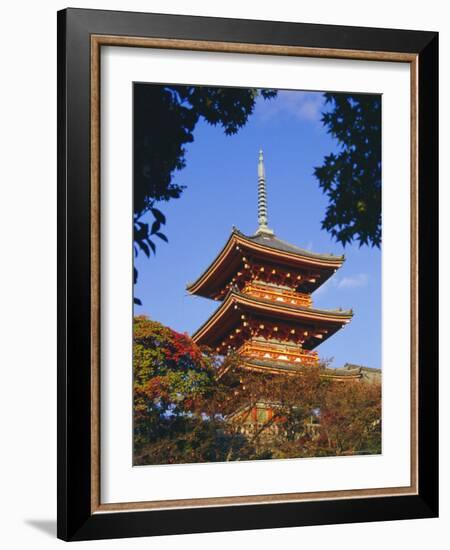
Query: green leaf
162, 237
158, 215
144, 248
155, 227
152, 246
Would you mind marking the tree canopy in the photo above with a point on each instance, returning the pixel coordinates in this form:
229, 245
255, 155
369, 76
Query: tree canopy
177, 400
352, 178
182, 407
164, 118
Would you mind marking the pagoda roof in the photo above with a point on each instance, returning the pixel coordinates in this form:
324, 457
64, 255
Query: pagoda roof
266, 247
288, 368
283, 367
274, 242
228, 315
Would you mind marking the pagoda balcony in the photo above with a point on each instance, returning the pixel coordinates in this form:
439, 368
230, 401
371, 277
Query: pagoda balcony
269, 351
278, 294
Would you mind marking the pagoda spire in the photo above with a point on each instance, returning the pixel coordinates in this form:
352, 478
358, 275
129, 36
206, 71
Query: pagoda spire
262, 198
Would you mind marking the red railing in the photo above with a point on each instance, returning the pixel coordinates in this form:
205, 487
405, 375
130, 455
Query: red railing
279, 352
281, 295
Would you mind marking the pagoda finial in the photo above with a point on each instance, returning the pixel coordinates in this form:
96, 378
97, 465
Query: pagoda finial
262, 198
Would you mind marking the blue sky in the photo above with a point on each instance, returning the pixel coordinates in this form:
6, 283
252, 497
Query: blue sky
221, 181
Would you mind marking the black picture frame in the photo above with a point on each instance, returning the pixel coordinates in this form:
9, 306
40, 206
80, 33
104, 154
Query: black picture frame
76, 521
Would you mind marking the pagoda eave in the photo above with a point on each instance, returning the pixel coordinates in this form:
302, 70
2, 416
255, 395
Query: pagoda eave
289, 369
234, 309
294, 370
265, 249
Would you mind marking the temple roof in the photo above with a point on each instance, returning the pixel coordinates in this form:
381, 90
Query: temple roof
273, 241
281, 367
228, 315
367, 373
267, 248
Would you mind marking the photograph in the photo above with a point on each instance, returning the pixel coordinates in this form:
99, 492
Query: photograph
257, 244
230, 216
247, 256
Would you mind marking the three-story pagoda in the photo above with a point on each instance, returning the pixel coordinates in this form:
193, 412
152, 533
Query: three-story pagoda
264, 286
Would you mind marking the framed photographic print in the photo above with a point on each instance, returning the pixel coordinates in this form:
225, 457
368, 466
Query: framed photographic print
247, 274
